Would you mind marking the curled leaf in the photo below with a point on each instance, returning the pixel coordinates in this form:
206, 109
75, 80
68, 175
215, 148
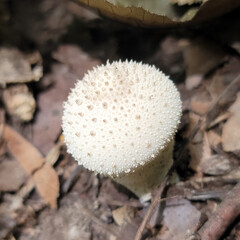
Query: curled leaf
161, 13
44, 175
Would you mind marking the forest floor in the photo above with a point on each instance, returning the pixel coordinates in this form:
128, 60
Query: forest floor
44, 194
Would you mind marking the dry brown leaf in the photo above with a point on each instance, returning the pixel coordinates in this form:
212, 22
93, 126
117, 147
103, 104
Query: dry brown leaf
123, 215
234, 174
73, 221
45, 177
231, 135
213, 164
26, 154
47, 184
200, 106
19, 102
219, 119
193, 81
231, 129
216, 165
15, 67
224, 77
223, 100
12, 176
217, 84
214, 138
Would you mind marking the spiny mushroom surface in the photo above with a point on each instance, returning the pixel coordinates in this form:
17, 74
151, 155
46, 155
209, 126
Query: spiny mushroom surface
121, 119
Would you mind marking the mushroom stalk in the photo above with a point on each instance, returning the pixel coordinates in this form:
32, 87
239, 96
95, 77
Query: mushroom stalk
149, 176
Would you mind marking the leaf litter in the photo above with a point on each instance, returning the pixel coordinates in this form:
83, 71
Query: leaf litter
45, 195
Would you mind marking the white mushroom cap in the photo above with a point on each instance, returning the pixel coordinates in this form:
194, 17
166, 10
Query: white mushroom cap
120, 116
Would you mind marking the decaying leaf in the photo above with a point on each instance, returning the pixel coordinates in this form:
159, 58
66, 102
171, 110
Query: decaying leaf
214, 138
12, 176
19, 102
15, 67
201, 102
26, 154
224, 99
181, 219
234, 174
231, 129
46, 179
74, 220
129, 230
200, 106
7, 222
12, 213
213, 164
123, 215
216, 165
160, 13
219, 119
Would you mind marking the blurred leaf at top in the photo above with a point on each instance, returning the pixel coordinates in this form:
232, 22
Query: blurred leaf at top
155, 13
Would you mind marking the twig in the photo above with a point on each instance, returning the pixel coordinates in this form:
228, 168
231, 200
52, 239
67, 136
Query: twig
72, 179
206, 180
225, 214
231, 90
150, 209
119, 203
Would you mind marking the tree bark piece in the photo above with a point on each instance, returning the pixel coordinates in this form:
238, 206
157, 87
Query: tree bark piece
225, 214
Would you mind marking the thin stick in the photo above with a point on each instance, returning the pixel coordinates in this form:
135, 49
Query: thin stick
150, 210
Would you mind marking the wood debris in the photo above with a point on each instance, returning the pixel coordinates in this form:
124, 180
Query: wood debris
19, 102
15, 67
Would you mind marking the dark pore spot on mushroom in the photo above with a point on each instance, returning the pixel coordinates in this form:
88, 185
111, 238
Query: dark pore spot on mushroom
90, 107
105, 105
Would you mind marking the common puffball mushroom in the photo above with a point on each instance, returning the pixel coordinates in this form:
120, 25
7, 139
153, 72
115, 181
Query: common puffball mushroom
120, 121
